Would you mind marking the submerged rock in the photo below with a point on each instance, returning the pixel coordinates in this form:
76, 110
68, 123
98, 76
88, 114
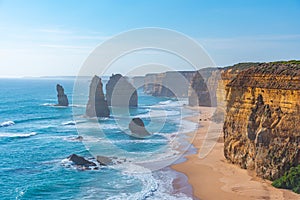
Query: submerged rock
61, 96
97, 105
80, 161
137, 128
119, 92
102, 160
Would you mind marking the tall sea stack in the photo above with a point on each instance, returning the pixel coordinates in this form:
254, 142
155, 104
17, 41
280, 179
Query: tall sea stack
119, 92
97, 105
61, 96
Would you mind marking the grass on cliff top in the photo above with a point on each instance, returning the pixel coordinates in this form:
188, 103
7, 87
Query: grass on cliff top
294, 62
246, 65
290, 180
242, 66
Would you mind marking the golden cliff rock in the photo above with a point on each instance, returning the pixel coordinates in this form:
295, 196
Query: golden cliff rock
261, 128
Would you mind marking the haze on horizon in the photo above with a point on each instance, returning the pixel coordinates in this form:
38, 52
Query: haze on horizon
53, 38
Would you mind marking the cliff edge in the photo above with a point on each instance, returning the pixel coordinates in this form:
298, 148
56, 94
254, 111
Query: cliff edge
261, 130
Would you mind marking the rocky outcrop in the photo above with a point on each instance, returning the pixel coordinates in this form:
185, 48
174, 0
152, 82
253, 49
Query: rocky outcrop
199, 94
120, 93
137, 128
80, 161
261, 130
168, 84
97, 105
102, 160
203, 88
61, 96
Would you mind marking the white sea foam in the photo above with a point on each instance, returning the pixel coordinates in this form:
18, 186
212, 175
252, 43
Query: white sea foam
7, 123
48, 104
17, 135
169, 103
187, 126
157, 188
77, 105
165, 102
158, 113
69, 123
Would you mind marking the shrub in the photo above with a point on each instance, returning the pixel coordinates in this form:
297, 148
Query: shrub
290, 180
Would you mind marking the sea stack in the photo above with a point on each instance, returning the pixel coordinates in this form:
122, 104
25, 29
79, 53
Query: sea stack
137, 128
120, 93
97, 105
198, 92
61, 96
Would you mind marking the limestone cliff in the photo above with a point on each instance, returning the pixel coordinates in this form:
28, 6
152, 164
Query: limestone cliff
97, 105
119, 92
61, 96
169, 84
224, 76
261, 130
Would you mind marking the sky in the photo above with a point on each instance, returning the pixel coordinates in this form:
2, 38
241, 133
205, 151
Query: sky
55, 37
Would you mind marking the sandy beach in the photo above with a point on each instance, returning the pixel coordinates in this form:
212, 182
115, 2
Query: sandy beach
212, 177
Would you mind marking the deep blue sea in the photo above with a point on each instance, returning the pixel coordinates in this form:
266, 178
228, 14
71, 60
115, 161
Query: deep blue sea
36, 137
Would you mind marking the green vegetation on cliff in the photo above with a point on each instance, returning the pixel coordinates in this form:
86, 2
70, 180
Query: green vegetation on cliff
290, 180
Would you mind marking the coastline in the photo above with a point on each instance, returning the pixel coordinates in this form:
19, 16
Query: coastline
212, 177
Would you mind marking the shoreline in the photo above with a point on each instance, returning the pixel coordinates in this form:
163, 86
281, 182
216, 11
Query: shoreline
212, 177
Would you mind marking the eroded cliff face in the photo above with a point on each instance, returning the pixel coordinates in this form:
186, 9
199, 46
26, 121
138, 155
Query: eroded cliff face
169, 84
261, 128
225, 76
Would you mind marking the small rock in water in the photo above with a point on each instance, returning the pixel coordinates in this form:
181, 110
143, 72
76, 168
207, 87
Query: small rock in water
137, 128
104, 160
81, 161
80, 138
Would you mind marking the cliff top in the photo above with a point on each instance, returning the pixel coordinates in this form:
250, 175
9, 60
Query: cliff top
277, 75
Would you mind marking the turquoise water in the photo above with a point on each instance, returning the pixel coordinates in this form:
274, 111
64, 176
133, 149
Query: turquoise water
37, 137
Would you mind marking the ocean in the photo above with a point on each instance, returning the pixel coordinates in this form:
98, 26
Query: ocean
36, 137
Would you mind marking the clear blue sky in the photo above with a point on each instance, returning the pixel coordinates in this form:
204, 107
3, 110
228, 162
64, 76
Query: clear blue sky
54, 37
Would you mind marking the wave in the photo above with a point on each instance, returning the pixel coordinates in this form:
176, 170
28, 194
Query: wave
53, 105
170, 103
155, 185
7, 123
70, 105
48, 104
36, 119
69, 123
79, 138
158, 113
165, 102
77, 106
73, 138
187, 126
17, 135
